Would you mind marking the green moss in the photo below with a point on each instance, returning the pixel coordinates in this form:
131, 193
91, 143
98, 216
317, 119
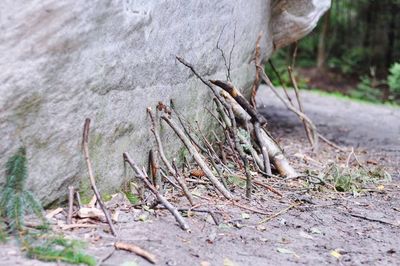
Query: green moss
29, 106
85, 191
122, 129
106, 196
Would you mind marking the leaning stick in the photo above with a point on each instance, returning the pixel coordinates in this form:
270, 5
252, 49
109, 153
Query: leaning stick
170, 169
85, 143
264, 148
311, 134
197, 157
155, 168
159, 144
228, 87
275, 153
289, 106
70, 204
242, 155
143, 176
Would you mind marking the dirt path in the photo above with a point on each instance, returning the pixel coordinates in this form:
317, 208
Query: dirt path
363, 230
375, 128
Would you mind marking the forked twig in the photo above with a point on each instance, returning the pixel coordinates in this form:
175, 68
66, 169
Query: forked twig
197, 157
143, 176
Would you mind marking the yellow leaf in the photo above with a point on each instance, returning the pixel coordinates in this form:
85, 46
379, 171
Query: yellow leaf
336, 254
380, 187
228, 262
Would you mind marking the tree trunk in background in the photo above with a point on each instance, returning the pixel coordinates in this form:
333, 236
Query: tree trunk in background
321, 56
391, 34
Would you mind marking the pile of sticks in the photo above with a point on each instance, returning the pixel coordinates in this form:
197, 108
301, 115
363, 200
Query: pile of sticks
254, 151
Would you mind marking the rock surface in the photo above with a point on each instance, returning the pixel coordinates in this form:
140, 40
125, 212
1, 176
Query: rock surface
63, 61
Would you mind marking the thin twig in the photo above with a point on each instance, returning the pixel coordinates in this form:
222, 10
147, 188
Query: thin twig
312, 135
182, 183
137, 250
143, 176
269, 218
264, 147
85, 142
197, 157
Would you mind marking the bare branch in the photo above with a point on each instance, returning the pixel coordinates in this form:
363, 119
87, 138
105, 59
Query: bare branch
85, 143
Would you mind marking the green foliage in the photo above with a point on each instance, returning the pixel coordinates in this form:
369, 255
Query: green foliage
59, 248
352, 179
366, 91
394, 78
351, 61
15, 201
133, 199
237, 181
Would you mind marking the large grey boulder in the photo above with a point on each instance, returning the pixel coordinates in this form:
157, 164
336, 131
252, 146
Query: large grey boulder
62, 61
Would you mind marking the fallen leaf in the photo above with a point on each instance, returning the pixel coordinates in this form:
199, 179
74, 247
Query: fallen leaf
286, 251
261, 228
93, 213
336, 254
143, 217
305, 235
381, 187
52, 213
245, 215
315, 231
228, 262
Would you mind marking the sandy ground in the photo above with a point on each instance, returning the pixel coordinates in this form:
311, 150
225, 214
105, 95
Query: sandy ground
311, 233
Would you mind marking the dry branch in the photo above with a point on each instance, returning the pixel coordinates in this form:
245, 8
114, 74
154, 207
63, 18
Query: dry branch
197, 157
137, 250
85, 143
143, 176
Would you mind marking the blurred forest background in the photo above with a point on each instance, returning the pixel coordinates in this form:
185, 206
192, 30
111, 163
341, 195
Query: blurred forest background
354, 51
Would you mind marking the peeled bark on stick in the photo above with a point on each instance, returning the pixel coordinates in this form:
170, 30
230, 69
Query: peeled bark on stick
155, 168
242, 155
85, 144
228, 87
218, 185
160, 198
264, 148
